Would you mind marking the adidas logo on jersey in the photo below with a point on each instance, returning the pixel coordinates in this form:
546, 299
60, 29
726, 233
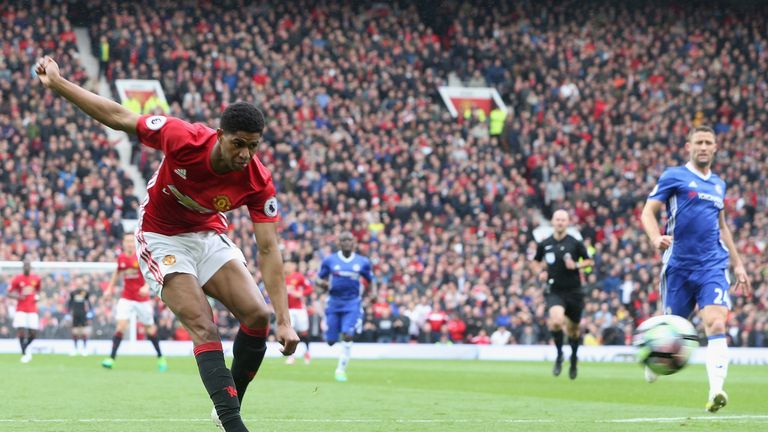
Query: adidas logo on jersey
181, 172
693, 184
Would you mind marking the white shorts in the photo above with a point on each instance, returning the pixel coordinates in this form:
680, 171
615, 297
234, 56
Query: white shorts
142, 309
200, 254
299, 320
28, 320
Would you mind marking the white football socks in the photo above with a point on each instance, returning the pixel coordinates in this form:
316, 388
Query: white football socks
717, 362
346, 352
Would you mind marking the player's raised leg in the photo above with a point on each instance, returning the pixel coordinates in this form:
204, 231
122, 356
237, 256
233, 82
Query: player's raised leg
183, 295
717, 359
556, 323
235, 288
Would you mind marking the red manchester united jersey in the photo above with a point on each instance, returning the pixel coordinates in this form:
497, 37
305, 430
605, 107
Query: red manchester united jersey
128, 266
28, 286
298, 287
185, 194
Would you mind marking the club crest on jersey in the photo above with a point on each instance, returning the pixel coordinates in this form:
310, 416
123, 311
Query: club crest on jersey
550, 257
222, 203
155, 122
270, 207
718, 189
169, 260
356, 267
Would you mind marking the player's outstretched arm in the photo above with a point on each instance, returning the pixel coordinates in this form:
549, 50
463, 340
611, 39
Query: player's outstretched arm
271, 268
742, 278
101, 109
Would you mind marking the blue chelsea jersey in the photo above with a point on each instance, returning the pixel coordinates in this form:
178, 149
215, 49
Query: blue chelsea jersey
694, 202
345, 274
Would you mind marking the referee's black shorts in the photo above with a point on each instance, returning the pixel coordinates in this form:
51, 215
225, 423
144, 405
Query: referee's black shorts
79, 320
573, 302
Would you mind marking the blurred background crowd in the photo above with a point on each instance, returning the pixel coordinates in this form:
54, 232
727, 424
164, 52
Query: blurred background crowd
600, 95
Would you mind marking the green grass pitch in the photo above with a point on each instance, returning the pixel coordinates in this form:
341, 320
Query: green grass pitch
74, 394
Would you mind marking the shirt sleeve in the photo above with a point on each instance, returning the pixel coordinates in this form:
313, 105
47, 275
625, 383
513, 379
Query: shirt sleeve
325, 269
664, 188
164, 133
539, 252
581, 251
367, 273
15, 285
264, 207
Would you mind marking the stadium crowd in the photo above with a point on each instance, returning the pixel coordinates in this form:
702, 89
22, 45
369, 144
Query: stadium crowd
600, 97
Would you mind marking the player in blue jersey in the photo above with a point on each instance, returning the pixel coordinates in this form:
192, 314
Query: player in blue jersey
697, 246
340, 273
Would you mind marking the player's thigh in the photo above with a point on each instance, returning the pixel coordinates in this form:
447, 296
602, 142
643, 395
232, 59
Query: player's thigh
186, 299
145, 312
712, 288
235, 288
677, 292
123, 310
351, 322
332, 326
299, 320
26, 320
161, 255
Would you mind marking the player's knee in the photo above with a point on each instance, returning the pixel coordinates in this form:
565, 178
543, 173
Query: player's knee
203, 330
716, 326
256, 319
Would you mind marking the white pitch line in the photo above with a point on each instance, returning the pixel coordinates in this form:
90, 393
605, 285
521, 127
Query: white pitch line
760, 418
281, 420
677, 419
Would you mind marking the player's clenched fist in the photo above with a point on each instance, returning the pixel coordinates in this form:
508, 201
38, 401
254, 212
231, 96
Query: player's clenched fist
47, 70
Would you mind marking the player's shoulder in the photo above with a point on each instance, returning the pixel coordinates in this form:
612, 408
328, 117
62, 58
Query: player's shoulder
259, 174
675, 172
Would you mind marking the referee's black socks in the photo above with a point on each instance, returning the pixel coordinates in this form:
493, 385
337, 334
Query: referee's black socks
249, 348
557, 335
574, 341
221, 388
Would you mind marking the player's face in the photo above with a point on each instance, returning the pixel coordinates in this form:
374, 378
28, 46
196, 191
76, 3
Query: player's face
347, 244
129, 247
702, 148
238, 148
27, 267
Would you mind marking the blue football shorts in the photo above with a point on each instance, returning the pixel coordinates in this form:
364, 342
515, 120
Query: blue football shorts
682, 289
347, 321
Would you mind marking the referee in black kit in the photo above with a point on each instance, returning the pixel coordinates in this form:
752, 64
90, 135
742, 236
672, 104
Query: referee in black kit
564, 256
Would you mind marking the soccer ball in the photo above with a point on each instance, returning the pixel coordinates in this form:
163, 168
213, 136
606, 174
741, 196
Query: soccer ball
665, 343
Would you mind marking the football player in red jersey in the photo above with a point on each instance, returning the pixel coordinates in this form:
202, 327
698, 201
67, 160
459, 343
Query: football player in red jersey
298, 289
133, 300
25, 288
183, 251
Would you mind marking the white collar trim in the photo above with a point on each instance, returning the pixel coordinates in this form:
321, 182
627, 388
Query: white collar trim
345, 259
698, 173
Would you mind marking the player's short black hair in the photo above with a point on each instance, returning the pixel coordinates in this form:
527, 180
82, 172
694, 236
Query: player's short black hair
242, 117
700, 128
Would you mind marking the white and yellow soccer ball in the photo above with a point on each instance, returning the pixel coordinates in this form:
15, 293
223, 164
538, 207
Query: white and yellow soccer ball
665, 343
